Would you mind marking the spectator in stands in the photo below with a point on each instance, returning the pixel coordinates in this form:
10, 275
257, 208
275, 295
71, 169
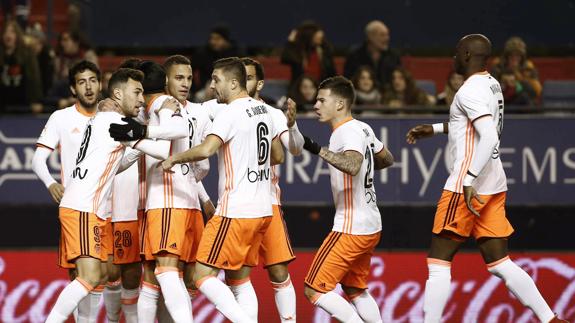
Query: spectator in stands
70, 50
403, 91
514, 59
366, 88
20, 81
36, 40
308, 52
374, 52
454, 82
515, 92
220, 44
303, 91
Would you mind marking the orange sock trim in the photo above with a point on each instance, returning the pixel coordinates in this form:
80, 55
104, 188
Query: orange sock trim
281, 285
203, 279
85, 284
114, 283
495, 263
129, 301
315, 297
435, 261
99, 288
161, 270
354, 295
150, 285
237, 282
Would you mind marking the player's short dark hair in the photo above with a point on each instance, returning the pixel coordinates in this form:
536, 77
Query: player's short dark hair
233, 68
154, 77
176, 60
131, 62
80, 67
341, 87
121, 77
257, 65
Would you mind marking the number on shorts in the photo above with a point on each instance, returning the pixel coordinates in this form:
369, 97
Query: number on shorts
123, 239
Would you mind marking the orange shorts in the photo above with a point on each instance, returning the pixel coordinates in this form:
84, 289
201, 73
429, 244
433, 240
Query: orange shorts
276, 246
126, 242
342, 258
62, 261
142, 223
230, 243
452, 215
165, 231
80, 234
193, 236
107, 236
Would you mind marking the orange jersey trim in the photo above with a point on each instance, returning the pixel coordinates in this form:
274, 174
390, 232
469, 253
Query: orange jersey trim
337, 125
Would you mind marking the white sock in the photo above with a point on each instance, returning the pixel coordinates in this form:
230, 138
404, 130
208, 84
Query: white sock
148, 303
522, 286
112, 301
223, 298
337, 307
129, 299
436, 289
75, 314
284, 294
366, 307
68, 300
188, 298
175, 295
89, 307
245, 295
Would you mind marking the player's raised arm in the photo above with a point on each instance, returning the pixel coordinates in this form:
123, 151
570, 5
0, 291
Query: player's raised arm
348, 161
199, 152
425, 131
295, 138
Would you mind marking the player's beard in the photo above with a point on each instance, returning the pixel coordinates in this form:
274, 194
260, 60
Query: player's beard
84, 102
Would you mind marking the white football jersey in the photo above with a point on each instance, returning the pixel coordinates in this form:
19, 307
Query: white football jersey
354, 196
125, 194
63, 132
479, 96
212, 107
246, 129
96, 164
168, 189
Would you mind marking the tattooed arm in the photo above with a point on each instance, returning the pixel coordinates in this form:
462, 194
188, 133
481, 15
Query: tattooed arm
348, 161
382, 159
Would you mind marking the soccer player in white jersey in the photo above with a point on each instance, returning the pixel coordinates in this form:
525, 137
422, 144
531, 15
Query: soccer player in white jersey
344, 257
473, 199
63, 132
84, 204
242, 135
275, 251
169, 207
179, 75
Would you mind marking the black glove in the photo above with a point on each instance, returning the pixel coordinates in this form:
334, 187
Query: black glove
131, 131
311, 146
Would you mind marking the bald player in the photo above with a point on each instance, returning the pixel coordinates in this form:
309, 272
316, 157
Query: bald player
473, 199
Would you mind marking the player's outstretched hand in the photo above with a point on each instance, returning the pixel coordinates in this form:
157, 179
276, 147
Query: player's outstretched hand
171, 104
290, 112
168, 164
469, 194
132, 130
56, 191
311, 146
419, 132
109, 105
